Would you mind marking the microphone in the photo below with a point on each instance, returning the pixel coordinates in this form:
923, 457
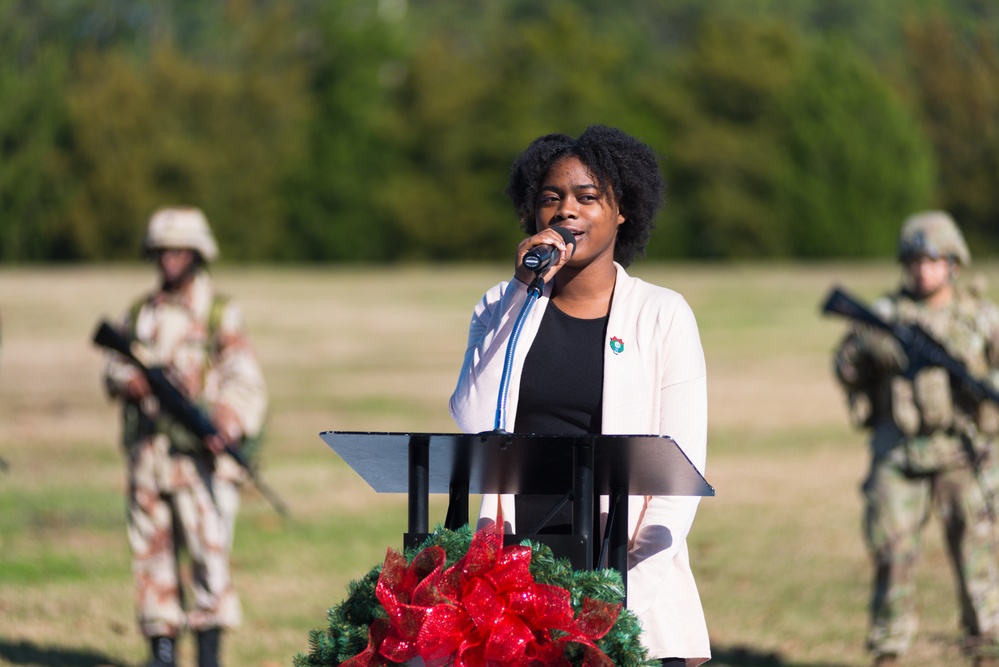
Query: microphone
541, 257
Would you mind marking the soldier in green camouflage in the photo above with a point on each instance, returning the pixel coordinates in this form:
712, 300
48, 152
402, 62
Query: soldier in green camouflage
184, 492
931, 444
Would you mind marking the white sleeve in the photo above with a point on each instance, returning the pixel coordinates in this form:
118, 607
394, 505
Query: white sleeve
666, 520
473, 403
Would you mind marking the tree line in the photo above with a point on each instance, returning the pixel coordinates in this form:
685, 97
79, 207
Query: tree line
383, 130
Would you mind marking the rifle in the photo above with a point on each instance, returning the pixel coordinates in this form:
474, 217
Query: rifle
921, 349
175, 403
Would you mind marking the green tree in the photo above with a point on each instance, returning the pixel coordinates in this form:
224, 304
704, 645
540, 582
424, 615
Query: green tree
171, 130
955, 90
723, 161
34, 125
857, 161
336, 195
474, 101
376, 131
35, 140
787, 146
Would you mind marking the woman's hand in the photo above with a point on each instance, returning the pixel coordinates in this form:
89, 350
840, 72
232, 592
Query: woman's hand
548, 236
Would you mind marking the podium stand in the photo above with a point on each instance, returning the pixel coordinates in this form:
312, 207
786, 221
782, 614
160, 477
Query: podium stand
581, 467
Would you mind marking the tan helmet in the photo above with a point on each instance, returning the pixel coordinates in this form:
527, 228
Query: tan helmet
932, 234
181, 227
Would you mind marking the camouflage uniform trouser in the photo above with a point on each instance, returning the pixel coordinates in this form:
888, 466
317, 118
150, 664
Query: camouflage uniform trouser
897, 507
180, 502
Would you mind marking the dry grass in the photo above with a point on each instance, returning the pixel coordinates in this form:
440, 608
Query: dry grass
778, 555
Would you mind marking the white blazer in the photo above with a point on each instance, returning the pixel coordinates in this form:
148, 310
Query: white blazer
654, 384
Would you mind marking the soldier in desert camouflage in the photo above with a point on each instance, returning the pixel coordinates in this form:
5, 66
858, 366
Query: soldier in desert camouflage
183, 493
932, 446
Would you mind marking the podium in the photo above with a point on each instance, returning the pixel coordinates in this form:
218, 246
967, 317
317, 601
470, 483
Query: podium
578, 467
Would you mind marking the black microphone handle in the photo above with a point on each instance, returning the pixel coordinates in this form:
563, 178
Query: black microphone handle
541, 257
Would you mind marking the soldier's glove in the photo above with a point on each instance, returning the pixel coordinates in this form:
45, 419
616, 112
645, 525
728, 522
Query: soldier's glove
866, 355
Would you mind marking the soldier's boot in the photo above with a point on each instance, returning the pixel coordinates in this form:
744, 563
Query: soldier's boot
886, 660
208, 647
163, 652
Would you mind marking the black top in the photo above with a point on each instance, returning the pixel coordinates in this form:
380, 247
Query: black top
562, 385
561, 393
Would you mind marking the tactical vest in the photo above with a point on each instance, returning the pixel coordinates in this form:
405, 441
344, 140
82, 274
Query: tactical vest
219, 302
944, 424
138, 426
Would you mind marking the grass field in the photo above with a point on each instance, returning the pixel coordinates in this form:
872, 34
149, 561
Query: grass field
777, 553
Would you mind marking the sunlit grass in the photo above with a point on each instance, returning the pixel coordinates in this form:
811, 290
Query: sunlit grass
777, 553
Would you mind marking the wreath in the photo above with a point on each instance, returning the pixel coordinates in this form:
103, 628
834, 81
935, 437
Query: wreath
466, 600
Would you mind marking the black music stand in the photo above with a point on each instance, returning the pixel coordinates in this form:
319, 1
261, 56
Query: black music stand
585, 466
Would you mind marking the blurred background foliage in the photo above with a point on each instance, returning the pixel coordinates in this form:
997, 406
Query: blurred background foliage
383, 130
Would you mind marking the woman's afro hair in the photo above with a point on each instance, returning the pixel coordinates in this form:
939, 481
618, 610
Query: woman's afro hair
618, 161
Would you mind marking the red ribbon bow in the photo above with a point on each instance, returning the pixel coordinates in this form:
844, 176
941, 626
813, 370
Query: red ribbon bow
486, 609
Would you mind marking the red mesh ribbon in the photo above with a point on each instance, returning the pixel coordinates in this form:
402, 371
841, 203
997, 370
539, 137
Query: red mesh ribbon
485, 609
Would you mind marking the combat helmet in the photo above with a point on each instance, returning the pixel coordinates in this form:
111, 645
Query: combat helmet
180, 227
932, 234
